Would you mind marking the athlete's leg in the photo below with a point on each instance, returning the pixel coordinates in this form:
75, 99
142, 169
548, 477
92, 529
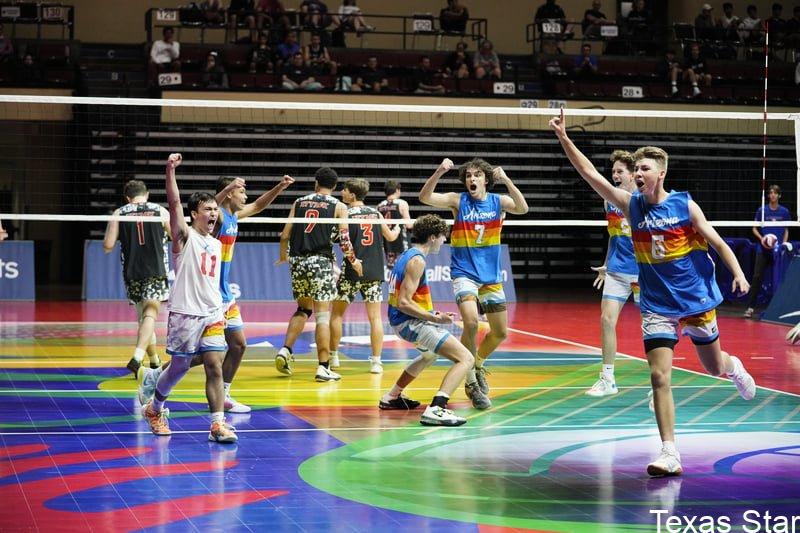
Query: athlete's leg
660, 361
298, 321
609, 315
498, 332
468, 309
237, 344
322, 331
338, 309
375, 329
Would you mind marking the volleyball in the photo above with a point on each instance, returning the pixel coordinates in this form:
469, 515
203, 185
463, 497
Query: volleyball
769, 240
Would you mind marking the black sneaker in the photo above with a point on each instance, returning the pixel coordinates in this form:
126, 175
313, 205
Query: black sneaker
133, 366
401, 403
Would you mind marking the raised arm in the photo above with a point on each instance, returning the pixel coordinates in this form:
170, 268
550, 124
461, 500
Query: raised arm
389, 234
434, 199
698, 218
514, 202
112, 234
265, 199
587, 170
179, 230
405, 299
284, 243
344, 240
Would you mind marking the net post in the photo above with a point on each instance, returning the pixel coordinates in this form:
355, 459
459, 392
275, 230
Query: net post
796, 119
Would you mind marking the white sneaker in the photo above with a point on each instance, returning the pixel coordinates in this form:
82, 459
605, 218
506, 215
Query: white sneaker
326, 374
744, 382
147, 379
439, 416
232, 406
650, 403
375, 367
334, 361
696, 91
666, 464
602, 387
283, 361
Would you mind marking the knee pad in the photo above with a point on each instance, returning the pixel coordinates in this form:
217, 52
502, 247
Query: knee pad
303, 311
324, 318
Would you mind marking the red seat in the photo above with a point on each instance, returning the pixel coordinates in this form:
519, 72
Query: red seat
267, 81
237, 56
240, 80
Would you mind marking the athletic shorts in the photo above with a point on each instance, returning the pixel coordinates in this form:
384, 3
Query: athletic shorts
189, 335
620, 287
233, 317
426, 335
155, 288
491, 297
312, 277
371, 291
702, 328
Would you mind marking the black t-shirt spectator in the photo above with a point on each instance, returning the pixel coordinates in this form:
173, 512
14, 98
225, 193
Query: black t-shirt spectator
776, 25
452, 21
424, 76
456, 59
371, 76
549, 11
314, 5
697, 64
664, 68
241, 6
639, 21
296, 74
596, 13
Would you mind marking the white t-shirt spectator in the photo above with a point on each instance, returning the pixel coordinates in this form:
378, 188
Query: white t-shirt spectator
163, 52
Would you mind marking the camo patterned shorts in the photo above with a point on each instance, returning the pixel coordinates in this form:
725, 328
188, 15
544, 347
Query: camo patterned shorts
371, 291
155, 288
312, 277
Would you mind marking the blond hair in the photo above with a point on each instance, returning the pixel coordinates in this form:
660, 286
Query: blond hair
624, 157
652, 152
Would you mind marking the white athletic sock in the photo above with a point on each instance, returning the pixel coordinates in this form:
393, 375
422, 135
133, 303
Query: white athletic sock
218, 416
393, 394
374, 359
227, 387
138, 354
442, 393
334, 353
608, 372
470, 378
736, 367
669, 446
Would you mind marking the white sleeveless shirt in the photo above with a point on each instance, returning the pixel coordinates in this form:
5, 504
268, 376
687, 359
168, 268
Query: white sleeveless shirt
197, 273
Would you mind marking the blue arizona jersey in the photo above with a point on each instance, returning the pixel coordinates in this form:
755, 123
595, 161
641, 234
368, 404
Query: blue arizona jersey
228, 231
620, 245
475, 240
676, 274
422, 295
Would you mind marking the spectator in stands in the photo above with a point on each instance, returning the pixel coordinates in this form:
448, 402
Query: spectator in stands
242, 11
288, 48
262, 57
298, 76
371, 78
165, 53
777, 26
29, 73
593, 20
669, 69
454, 17
317, 58
457, 65
585, 65
274, 12
792, 37
315, 17
351, 18
639, 25
772, 212
751, 28
704, 25
214, 75
425, 78
550, 11
695, 69
213, 12
728, 23
6, 47
486, 63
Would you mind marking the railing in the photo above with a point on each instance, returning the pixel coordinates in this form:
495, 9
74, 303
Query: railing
616, 38
406, 28
40, 15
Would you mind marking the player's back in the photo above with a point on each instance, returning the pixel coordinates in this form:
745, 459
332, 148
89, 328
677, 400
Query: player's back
367, 243
312, 238
142, 243
390, 209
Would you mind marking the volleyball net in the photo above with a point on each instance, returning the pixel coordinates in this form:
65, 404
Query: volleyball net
64, 161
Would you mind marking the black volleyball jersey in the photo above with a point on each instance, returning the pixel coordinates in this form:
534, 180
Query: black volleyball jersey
142, 242
391, 209
367, 243
312, 238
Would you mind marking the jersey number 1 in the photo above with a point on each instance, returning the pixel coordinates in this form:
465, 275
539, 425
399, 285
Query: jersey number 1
203, 260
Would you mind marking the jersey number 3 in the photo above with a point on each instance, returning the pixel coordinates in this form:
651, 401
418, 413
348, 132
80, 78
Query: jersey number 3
204, 259
367, 238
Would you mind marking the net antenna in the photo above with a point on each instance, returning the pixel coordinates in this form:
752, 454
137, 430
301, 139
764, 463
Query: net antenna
764, 142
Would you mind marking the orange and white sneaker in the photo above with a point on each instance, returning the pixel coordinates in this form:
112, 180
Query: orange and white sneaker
158, 421
222, 432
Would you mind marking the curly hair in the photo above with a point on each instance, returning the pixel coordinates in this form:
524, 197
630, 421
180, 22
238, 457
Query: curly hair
481, 164
427, 226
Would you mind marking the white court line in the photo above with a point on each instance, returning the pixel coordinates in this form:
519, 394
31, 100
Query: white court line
755, 409
649, 425
719, 378
338, 389
788, 418
759, 357
72, 359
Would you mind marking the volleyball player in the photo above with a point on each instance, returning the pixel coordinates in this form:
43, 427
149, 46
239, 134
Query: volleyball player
678, 290
368, 242
412, 317
475, 258
196, 320
309, 251
395, 207
143, 268
619, 275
